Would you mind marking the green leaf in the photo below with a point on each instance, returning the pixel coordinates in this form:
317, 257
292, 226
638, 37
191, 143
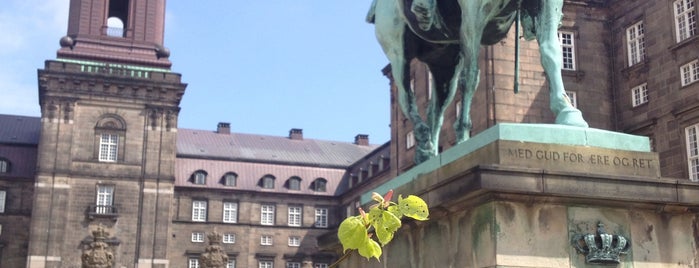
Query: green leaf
386, 226
370, 249
413, 207
352, 233
394, 209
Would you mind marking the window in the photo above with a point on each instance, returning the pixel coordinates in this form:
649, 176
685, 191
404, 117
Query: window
231, 263
294, 241
198, 210
105, 199
3, 196
267, 215
322, 217
458, 110
4, 166
230, 179
568, 49
635, 43
198, 237
294, 216
266, 264
230, 212
690, 72
293, 265
294, 183
108, 147
199, 177
268, 182
685, 19
639, 95
320, 185
193, 263
693, 151
430, 81
573, 98
228, 238
266, 240
320, 265
409, 140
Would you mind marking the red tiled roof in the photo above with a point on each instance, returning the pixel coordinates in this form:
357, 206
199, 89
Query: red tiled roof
271, 149
249, 175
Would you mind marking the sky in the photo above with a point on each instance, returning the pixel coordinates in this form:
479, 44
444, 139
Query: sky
263, 66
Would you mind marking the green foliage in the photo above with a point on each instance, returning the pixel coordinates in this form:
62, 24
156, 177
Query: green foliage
384, 219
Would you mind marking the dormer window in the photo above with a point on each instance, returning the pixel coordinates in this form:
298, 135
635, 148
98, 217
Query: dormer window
230, 179
267, 182
294, 183
320, 185
4, 165
199, 177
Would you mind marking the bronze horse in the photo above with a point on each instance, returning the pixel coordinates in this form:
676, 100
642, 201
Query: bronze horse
447, 36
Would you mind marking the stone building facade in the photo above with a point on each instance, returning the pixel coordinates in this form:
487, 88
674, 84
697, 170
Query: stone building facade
107, 151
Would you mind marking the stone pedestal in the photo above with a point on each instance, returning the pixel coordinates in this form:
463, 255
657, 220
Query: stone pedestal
518, 195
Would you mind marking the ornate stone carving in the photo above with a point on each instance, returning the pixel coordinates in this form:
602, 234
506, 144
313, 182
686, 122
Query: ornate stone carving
214, 257
603, 248
99, 254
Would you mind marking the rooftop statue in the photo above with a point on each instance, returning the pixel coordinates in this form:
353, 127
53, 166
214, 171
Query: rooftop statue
447, 36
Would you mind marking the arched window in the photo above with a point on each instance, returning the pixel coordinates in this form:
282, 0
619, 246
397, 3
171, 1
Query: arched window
117, 17
294, 183
4, 165
320, 185
199, 177
110, 132
267, 182
230, 179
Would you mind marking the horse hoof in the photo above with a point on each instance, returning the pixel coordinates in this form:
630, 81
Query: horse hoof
571, 117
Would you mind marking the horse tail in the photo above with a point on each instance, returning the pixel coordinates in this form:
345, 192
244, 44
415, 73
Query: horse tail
517, 19
371, 15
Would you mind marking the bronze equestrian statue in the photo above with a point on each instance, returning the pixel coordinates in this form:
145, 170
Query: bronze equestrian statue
447, 36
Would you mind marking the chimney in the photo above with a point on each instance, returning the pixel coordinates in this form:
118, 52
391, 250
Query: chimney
223, 128
361, 139
296, 134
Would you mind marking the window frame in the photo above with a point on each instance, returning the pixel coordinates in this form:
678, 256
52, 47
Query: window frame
268, 182
265, 264
689, 73
109, 149
193, 263
5, 165
409, 140
230, 263
320, 265
321, 219
199, 213
266, 240
639, 95
297, 219
567, 48
228, 238
267, 216
3, 200
230, 214
197, 237
635, 43
685, 20
296, 239
293, 265
294, 183
199, 177
692, 145
228, 177
104, 200
320, 185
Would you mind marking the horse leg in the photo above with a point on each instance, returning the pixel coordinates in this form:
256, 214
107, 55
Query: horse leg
391, 32
444, 85
469, 79
547, 36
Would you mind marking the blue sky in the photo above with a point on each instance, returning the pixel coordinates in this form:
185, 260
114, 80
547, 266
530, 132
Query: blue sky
264, 66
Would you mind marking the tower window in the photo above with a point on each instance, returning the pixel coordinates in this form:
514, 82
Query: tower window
110, 132
117, 17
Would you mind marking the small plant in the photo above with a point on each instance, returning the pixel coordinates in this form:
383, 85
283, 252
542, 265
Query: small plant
383, 220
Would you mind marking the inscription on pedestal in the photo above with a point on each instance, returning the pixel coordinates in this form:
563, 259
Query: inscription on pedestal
578, 158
